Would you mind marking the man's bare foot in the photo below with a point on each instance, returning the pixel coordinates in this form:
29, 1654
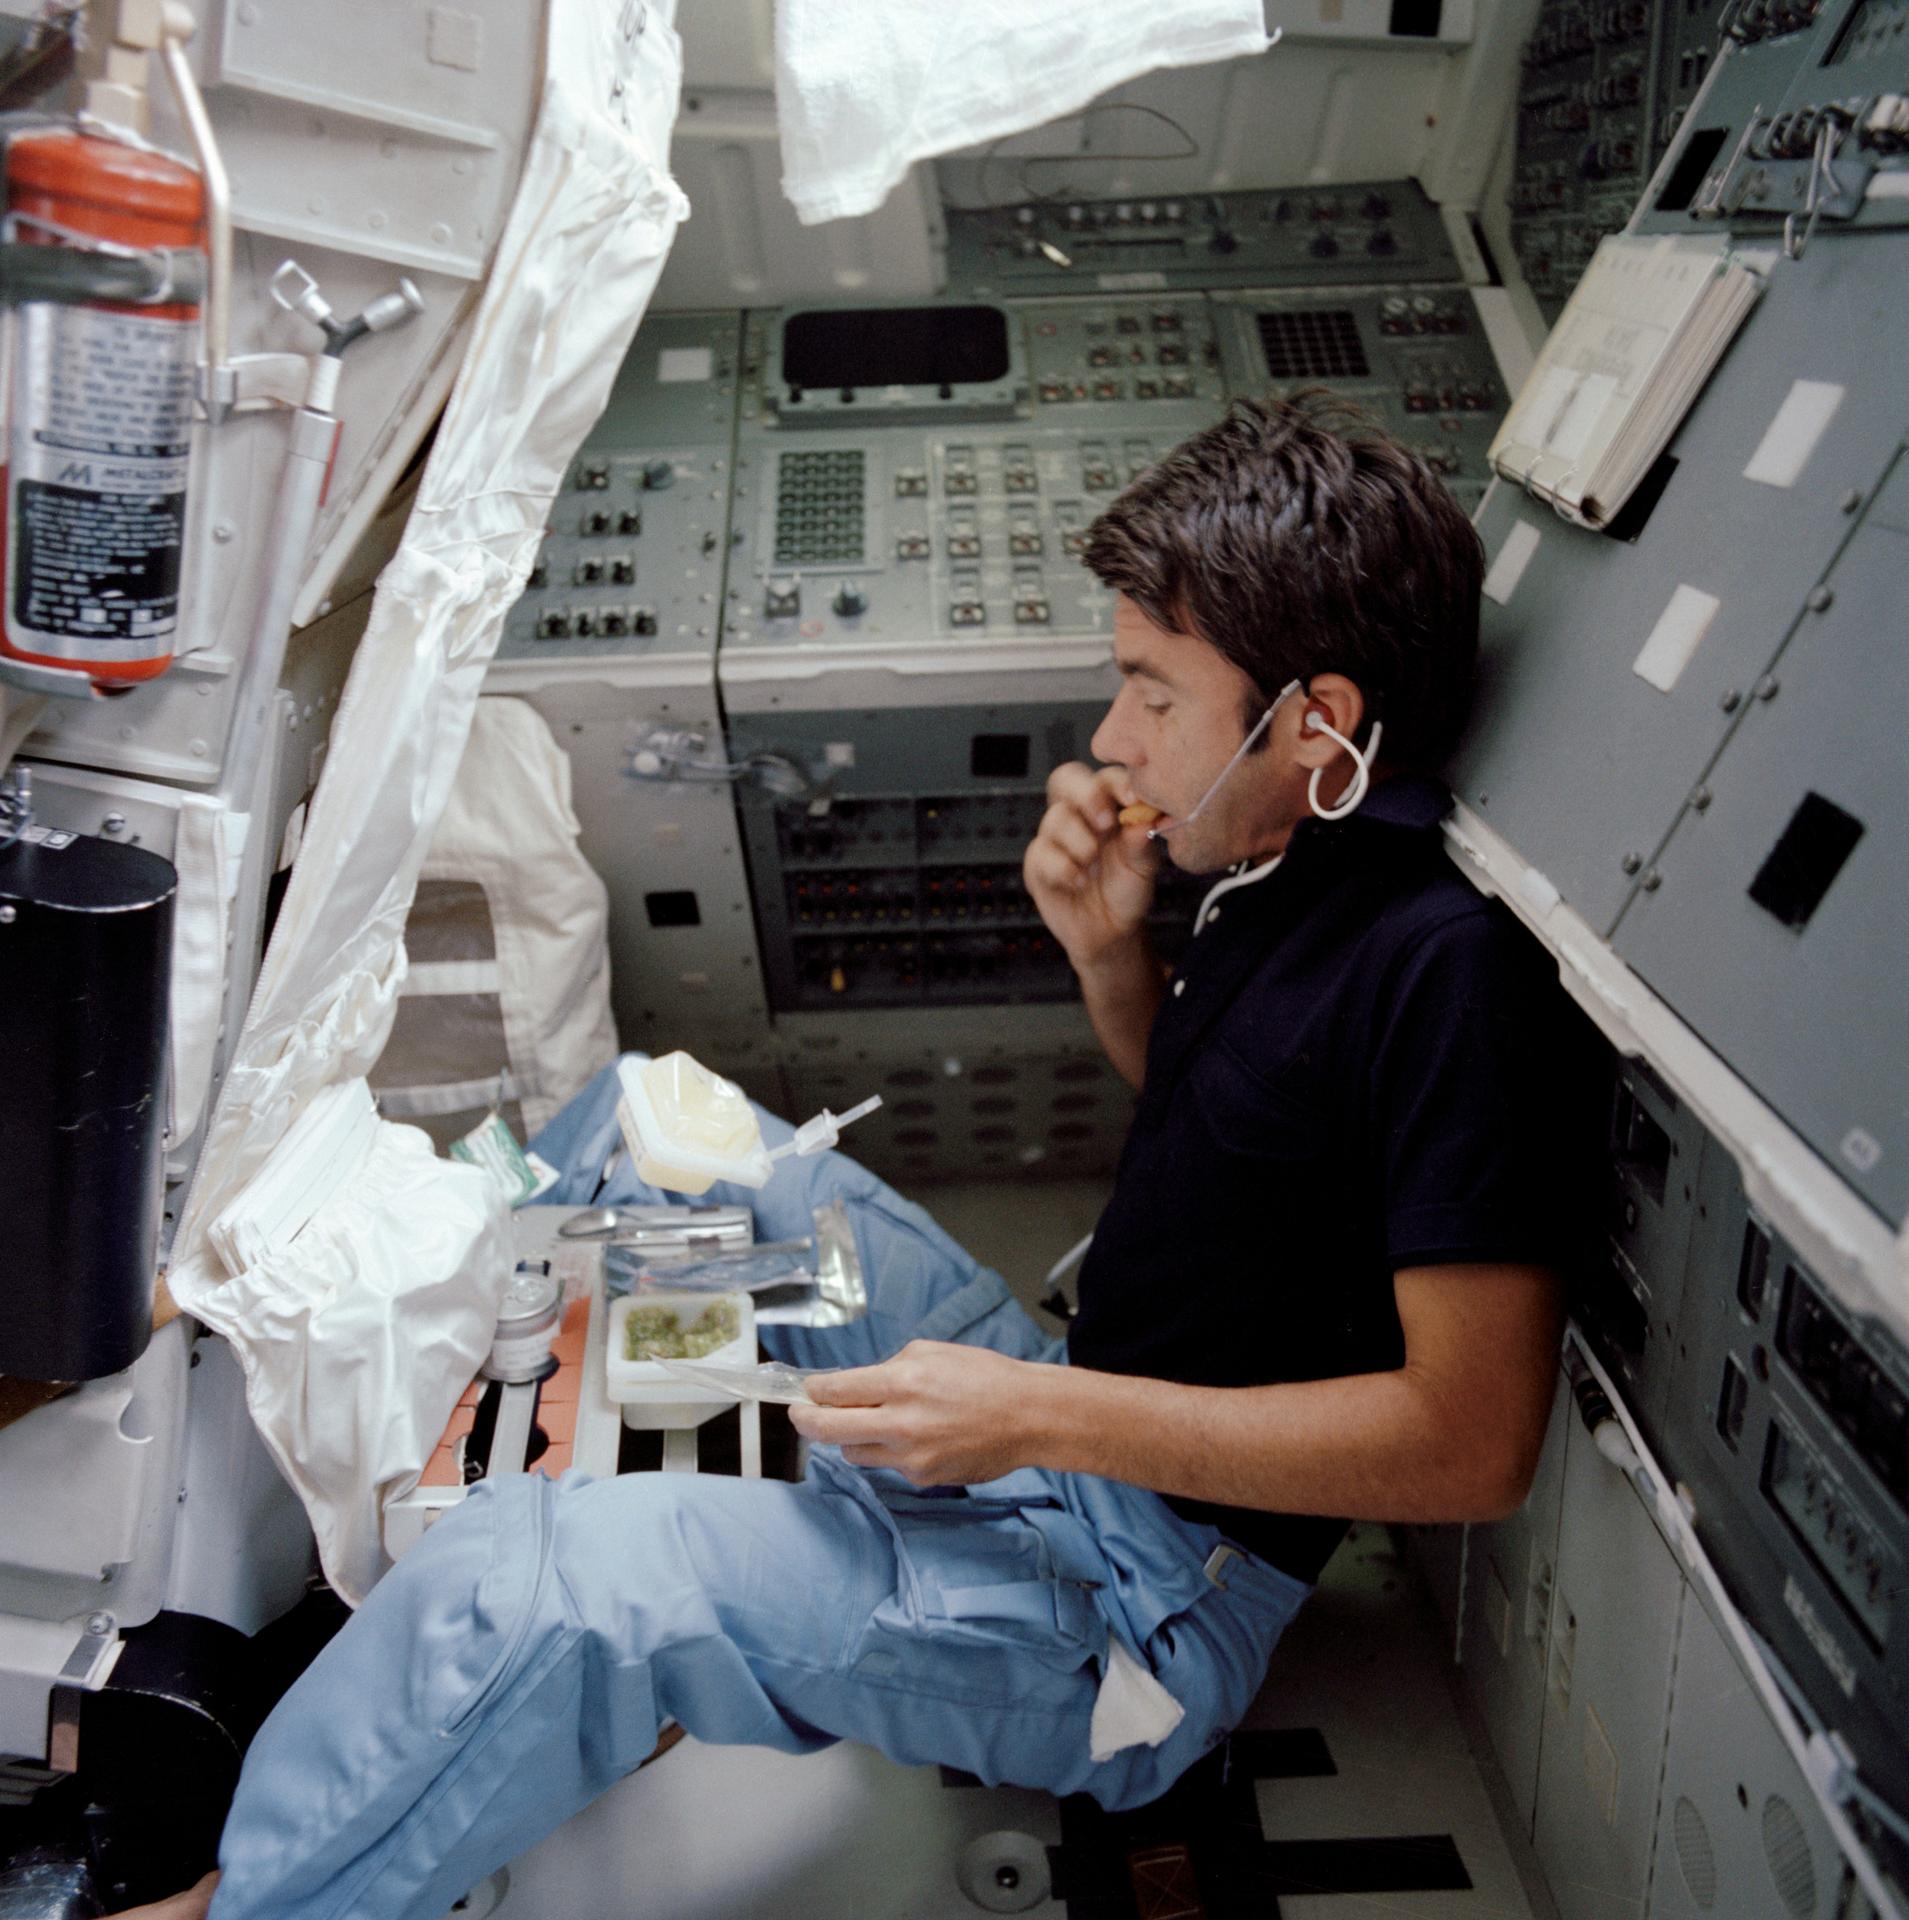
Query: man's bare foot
190, 1905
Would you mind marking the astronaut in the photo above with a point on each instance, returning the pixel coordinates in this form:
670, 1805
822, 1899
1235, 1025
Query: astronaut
1324, 1288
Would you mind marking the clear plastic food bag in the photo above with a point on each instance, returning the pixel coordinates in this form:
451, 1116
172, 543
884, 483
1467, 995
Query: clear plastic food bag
810, 1283
778, 1263
770, 1380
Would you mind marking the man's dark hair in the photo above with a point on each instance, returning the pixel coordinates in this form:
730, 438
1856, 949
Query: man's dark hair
1297, 538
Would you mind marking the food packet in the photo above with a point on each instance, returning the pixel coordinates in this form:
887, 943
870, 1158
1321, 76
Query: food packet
756, 1269
828, 1269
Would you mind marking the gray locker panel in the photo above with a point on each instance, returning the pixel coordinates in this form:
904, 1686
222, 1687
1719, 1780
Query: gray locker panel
1767, 992
1738, 1831
1511, 1576
1607, 1692
1573, 756
1890, 508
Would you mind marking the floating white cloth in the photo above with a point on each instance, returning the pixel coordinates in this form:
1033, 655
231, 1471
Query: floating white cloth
865, 88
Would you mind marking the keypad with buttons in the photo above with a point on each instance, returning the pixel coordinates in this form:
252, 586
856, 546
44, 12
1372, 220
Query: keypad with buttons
821, 507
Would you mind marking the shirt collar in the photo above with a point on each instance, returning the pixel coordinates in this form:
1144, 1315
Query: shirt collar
1246, 873
1410, 803
1414, 801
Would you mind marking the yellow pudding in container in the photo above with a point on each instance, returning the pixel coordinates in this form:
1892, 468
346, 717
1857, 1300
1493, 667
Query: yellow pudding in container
686, 1127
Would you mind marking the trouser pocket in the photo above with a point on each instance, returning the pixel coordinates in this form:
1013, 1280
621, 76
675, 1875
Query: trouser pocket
510, 1596
979, 1608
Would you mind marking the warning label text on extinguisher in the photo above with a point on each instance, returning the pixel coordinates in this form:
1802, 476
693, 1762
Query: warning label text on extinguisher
105, 565
97, 463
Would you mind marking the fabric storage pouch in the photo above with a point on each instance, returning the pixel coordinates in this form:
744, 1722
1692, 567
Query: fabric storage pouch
366, 1306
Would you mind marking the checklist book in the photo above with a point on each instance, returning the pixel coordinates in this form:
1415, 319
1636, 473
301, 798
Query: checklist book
1630, 354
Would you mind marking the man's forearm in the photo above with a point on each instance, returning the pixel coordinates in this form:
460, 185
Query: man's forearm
1123, 991
1373, 1446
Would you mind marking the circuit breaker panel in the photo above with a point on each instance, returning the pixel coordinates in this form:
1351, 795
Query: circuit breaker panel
1380, 232
1604, 87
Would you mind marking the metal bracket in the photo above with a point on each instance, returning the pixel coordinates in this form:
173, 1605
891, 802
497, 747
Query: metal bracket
262, 380
82, 1673
28, 1678
59, 683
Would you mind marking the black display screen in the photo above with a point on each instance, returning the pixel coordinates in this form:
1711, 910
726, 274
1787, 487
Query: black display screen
895, 346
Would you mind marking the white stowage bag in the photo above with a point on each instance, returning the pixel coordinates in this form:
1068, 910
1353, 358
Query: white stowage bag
509, 1002
356, 1317
354, 1333
865, 88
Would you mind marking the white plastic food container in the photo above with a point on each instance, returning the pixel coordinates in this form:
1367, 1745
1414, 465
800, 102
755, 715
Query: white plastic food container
686, 1127
642, 1383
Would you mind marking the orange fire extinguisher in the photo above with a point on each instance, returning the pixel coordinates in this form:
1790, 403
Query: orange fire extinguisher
100, 403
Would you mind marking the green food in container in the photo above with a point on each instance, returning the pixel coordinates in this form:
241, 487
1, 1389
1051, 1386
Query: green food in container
655, 1333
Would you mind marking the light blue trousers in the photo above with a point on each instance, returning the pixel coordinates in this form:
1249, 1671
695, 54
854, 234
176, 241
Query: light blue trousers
521, 1658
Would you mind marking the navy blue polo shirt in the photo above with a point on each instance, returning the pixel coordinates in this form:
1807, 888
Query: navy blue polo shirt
1350, 1075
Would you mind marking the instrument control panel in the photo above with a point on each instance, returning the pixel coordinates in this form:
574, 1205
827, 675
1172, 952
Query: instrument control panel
897, 883
1604, 87
632, 559
1383, 230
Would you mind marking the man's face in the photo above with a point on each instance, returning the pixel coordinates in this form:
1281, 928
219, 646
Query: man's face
1173, 726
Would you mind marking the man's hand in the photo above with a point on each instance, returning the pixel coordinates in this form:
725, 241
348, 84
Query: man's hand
190, 1905
1091, 878
942, 1415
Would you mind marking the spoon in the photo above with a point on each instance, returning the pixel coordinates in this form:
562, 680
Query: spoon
593, 1223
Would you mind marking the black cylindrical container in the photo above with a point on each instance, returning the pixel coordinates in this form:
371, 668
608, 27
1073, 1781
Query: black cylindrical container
85, 965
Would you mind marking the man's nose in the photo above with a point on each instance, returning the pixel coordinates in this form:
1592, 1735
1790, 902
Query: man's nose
1110, 744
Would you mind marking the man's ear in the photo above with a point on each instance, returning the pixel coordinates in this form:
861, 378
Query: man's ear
1338, 702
